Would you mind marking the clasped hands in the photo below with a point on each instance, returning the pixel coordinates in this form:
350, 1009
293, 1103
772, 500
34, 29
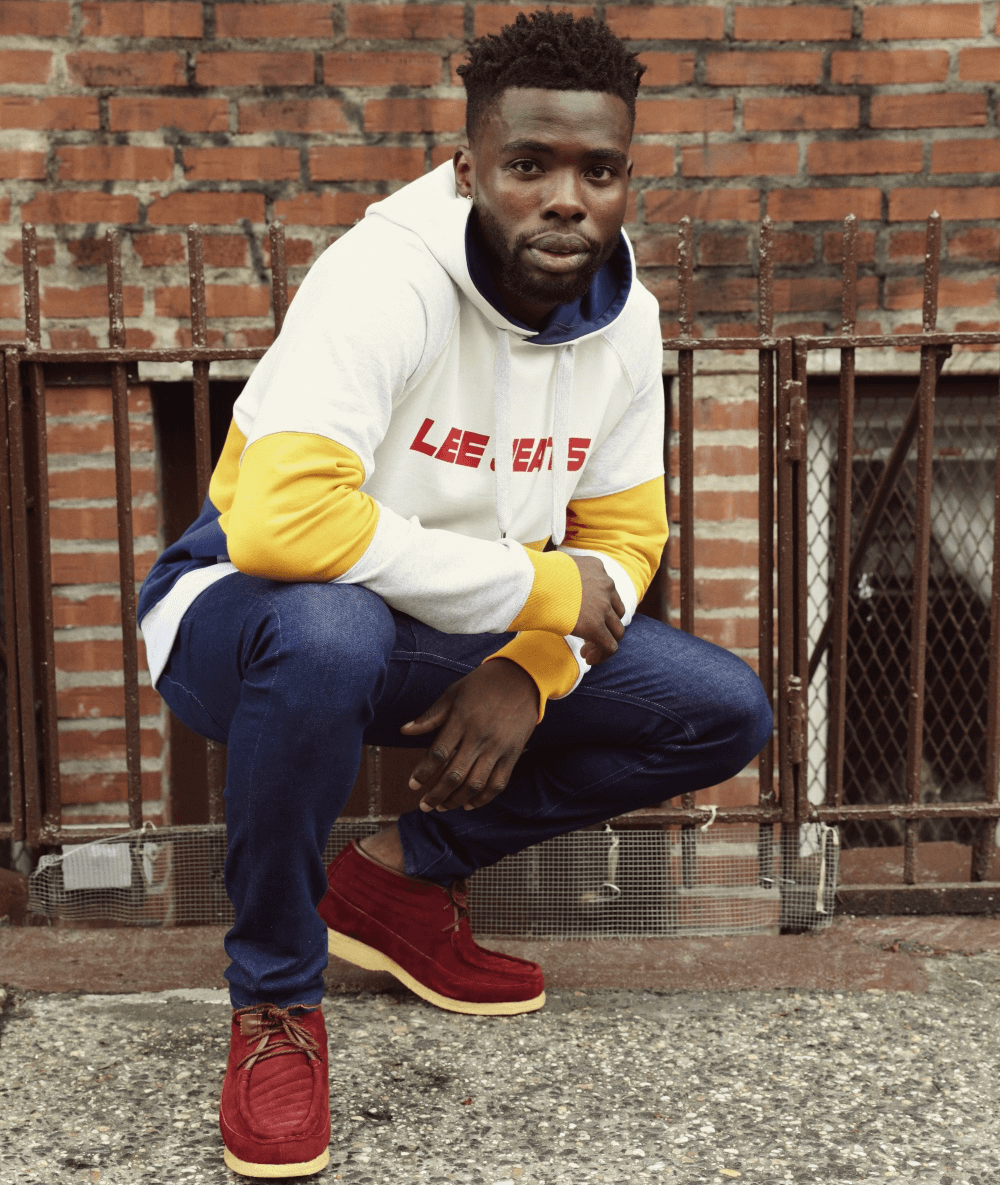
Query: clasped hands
485, 719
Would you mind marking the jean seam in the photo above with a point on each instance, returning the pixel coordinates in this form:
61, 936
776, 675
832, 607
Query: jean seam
191, 695
640, 702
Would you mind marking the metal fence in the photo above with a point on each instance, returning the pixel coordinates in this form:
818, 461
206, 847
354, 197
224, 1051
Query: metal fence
853, 503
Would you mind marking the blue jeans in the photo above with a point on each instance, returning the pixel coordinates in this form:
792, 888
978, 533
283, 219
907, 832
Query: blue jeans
295, 678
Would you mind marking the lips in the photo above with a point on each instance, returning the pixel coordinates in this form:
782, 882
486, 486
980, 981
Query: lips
558, 252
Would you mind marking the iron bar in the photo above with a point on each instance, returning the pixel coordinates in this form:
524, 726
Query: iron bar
15, 755
199, 337
876, 900
837, 672
800, 502
922, 543
685, 418
126, 549
279, 275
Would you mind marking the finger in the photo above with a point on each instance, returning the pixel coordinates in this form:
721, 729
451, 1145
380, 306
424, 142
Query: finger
433, 763
615, 628
427, 721
497, 782
446, 791
616, 604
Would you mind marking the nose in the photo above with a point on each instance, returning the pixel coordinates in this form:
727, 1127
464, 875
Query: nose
563, 198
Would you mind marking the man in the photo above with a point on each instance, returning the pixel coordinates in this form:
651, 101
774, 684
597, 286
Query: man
438, 506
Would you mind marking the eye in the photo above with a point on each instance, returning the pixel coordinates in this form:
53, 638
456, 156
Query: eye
601, 173
525, 167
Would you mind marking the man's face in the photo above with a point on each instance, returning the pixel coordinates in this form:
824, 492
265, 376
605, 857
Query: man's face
548, 177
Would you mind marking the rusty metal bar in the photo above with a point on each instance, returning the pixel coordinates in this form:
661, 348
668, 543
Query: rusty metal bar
44, 620
765, 499
837, 671
685, 416
922, 543
279, 275
886, 484
15, 758
789, 746
985, 840
112, 354
126, 549
903, 810
25, 682
799, 424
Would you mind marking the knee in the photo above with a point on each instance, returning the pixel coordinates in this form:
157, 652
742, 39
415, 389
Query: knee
741, 721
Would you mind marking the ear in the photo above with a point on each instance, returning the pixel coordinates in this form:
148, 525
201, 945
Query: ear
465, 171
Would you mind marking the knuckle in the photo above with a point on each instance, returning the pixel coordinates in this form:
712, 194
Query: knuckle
438, 752
454, 777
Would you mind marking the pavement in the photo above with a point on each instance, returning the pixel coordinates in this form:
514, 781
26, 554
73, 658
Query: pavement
865, 1052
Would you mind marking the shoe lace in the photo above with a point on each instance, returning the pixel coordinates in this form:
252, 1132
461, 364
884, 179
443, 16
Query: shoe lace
458, 899
279, 1033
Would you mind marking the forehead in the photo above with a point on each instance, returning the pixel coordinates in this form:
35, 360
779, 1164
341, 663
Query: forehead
580, 120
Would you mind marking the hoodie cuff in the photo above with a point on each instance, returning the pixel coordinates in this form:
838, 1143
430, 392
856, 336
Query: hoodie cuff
556, 595
547, 659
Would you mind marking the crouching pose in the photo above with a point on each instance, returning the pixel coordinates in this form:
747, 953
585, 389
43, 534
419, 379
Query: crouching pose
439, 503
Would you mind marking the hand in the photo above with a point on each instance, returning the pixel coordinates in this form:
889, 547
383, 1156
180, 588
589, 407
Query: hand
601, 613
485, 720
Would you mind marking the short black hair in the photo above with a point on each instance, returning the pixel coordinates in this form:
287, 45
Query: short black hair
552, 51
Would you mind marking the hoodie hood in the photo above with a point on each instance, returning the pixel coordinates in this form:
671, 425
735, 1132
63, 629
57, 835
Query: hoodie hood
432, 209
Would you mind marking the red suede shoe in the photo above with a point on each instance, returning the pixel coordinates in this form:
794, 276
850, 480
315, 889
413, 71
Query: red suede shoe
275, 1109
419, 932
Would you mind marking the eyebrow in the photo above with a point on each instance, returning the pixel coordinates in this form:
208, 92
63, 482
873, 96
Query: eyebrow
609, 154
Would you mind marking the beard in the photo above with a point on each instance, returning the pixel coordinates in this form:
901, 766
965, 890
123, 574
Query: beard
515, 276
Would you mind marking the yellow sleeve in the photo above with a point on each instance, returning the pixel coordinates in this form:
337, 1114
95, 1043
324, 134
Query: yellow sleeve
292, 488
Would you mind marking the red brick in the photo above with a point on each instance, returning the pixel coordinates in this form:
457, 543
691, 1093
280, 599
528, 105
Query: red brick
19, 163
254, 69
34, 18
25, 66
215, 209
846, 157
808, 113
97, 162
78, 744
73, 339
88, 401
46, 251
251, 337
719, 250
127, 69
491, 18
907, 292
241, 164
94, 522
823, 205
765, 68
160, 250
975, 202
4, 209
154, 115
79, 437
732, 633
979, 65
793, 247
703, 205
913, 22
717, 553
63, 112
652, 160
381, 69
908, 245
298, 252
405, 22
10, 301
81, 703
721, 506
666, 22
414, 115
324, 209
981, 242
227, 251
656, 250
365, 163
965, 156
833, 246
96, 567
812, 294
179, 19
798, 22
739, 160
886, 67
221, 300
273, 20
100, 609
667, 69
105, 788
928, 111
88, 252
98, 483
294, 115
73, 206
664, 116
732, 593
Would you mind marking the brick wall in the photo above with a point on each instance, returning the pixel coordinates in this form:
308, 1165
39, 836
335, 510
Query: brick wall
153, 115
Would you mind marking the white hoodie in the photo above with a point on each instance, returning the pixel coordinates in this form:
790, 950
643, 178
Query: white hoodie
403, 434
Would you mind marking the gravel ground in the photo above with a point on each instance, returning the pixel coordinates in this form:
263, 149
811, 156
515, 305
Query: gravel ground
616, 1086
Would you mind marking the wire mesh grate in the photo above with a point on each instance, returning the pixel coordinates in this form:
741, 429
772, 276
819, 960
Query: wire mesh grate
728, 879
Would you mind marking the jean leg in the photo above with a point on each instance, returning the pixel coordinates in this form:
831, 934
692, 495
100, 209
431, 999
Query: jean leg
287, 675
667, 715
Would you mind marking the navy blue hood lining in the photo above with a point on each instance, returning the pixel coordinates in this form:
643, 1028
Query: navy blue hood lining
598, 307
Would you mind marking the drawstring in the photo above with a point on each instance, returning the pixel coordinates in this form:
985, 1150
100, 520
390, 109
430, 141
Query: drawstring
560, 440
504, 462
504, 455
